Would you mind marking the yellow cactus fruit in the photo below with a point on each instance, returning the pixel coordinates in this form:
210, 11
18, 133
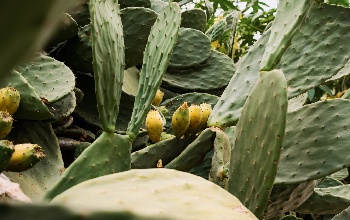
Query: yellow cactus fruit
181, 120
206, 111
158, 98
9, 100
195, 119
154, 125
5, 123
25, 157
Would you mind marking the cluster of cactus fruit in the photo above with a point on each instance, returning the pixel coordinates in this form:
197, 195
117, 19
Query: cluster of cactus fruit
235, 141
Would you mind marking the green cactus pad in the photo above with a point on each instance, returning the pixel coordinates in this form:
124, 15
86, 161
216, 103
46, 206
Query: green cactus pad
48, 170
170, 195
31, 24
331, 200
31, 107
286, 198
80, 12
257, 150
341, 174
131, 81
63, 108
166, 151
194, 153
329, 182
137, 24
6, 151
297, 102
311, 59
215, 31
194, 98
161, 42
135, 3
344, 215
113, 156
108, 59
214, 73
194, 18
228, 109
66, 28
192, 47
341, 73
158, 5
289, 16
76, 52
222, 150
313, 140
51, 79
203, 169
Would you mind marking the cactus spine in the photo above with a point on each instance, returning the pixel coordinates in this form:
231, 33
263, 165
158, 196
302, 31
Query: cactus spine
25, 157
6, 121
154, 125
9, 100
181, 120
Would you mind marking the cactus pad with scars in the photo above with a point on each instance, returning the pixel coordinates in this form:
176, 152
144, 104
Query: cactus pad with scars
157, 54
212, 74
9, 100
194, 18
258, 145
192, 48
108, 59
170, 195
50, 78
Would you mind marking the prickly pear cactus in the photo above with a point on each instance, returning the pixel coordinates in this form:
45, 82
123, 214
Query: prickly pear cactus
181, 120
154, 125
9, 100
25, 157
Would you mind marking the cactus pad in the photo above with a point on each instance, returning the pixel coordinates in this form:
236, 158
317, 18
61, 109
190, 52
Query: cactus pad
170, 195
192, 47
194, 18
258, 145
214, 73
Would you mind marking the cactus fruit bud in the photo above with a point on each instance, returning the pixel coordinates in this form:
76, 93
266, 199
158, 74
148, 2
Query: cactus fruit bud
206, 111
195, 119
154, 125
181, 120
9, 100
6, 121
165, 136
25, 157
6, 151
158, 98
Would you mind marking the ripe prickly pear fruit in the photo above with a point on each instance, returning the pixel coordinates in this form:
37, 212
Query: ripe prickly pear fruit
6, 121
9, 100
195, 119
25, 157
6, 151
181, 120
206, 111
158, 98
154, 125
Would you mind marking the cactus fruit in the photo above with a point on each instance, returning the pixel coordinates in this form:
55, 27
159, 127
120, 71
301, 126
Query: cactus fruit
195, 119
181, 120
6, 151
9, 100
158, 98
206, 111
6, 121
154, 125
25, 157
